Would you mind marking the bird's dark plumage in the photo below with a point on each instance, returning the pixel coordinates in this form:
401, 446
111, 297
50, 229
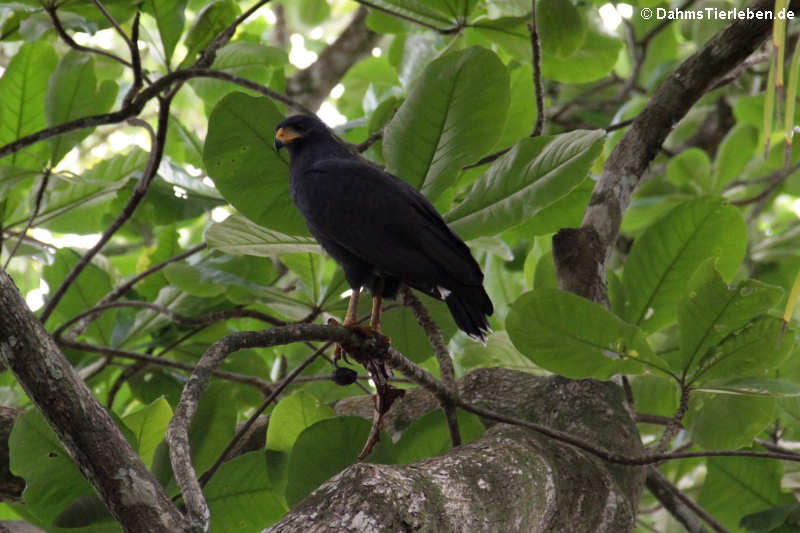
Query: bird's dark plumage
376, 226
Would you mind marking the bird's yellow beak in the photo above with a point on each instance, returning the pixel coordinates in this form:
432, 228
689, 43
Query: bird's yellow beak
284, 136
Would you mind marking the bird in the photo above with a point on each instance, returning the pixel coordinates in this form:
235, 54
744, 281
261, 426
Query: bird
378, 228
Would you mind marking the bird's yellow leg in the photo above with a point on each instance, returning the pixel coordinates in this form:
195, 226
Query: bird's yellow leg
352, 308
350, 318
377, 301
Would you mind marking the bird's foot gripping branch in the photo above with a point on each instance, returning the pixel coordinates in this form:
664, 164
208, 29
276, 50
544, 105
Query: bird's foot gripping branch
374, 361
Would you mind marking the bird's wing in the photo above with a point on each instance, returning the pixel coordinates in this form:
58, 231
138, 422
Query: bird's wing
385, 222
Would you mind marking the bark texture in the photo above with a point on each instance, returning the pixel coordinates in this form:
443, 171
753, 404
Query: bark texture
510, 479
83, 426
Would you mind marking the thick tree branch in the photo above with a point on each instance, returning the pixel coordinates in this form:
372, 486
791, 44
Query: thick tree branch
83, 426
507, 480
584, 272
311, 85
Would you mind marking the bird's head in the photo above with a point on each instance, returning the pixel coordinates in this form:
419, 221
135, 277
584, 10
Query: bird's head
297, 129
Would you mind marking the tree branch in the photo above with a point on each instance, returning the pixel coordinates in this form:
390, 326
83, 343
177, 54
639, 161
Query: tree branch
156, 152
88, 433
584, 273
311, 85
537, 73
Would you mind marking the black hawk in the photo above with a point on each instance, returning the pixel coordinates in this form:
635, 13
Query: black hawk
378, 228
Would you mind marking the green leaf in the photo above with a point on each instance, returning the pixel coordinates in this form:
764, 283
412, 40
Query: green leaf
691, 167
239, 235
735, 150
752, 350
418, 10
83, 197
213, 425
52, 479
22, 91
291, 416
326, 448
73, 94
149, 424
592, 61
498, 352
541, 325
170, 19
561, 27
771, 519
655, 395
536, 173
91, 284
727, 421
454, 114
239, 157
166, 246
313, 12
407, 335
242, 497
738, 486
428, 436
521, 114
253, 61
669, 252
212, 19
770, 388
711, 310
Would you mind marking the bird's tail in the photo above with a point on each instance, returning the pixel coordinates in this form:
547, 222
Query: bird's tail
470, 305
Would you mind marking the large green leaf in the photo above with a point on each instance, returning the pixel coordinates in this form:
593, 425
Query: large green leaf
211, 20
734, 152
691, 167
542, 325
592, 61
454, 114
737, 486
73, 93
326, 448
240, 158
669, 251
170, 19
291, 416
149, 425
534, 174
213, 425
92, 284
561, 27
22, 93
425, 12
253, 61
239, 235
727, 421
748, 351
711, 310
428, 436
242, 497
52, 479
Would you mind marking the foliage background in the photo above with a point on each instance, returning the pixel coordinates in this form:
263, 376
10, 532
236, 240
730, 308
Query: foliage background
444, 99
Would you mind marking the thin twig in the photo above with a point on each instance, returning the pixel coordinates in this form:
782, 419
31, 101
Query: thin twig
537, 73
675, 424
202, 320
436, 339
36, 206
156, 151
442, 31
137, 104
244, 379
51, 10
685, 500
136, 58
91, 315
